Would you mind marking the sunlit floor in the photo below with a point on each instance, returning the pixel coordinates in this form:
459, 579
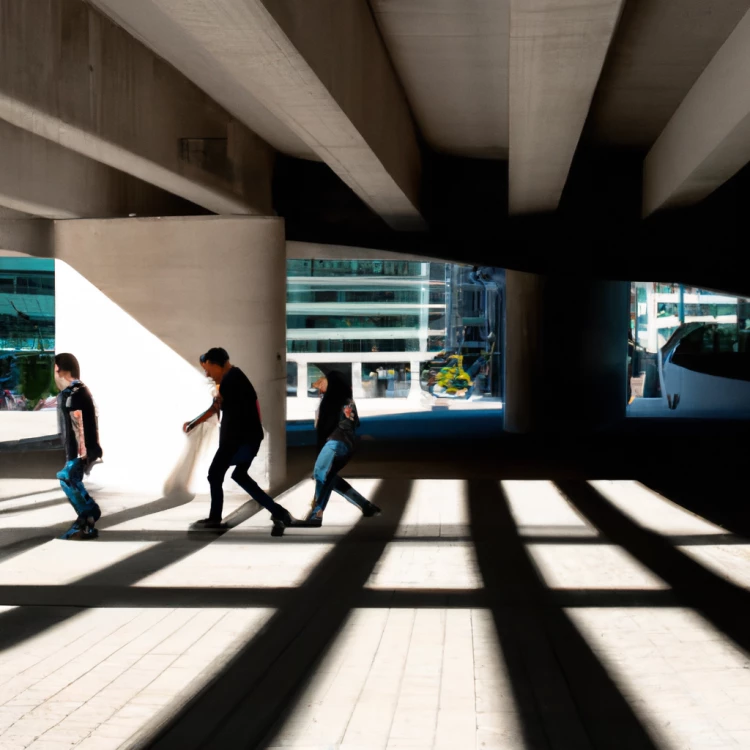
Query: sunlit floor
471, 614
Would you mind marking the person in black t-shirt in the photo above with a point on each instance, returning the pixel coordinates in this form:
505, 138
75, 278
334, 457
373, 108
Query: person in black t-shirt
80, 433
239, 439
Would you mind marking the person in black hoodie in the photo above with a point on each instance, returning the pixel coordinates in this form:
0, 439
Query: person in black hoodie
336, 423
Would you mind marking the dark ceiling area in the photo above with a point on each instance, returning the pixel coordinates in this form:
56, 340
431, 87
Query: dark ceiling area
597, 230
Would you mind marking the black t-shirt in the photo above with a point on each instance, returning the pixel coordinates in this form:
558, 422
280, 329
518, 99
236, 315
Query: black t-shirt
77, 397
240, 417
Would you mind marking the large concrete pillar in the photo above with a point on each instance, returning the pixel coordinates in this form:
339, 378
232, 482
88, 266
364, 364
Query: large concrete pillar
138, 301
566, 353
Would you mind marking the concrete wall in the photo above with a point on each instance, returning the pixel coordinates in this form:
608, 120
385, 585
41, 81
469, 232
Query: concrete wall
70, 75
138, 300
566, 353
26, 236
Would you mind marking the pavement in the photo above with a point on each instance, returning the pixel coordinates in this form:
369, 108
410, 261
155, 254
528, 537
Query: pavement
489, 606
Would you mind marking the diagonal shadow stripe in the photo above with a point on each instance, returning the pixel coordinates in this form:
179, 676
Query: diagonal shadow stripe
18, 625
559, 684
241, 705
27, 495
33, 506
41, 536
713, 497
722, 603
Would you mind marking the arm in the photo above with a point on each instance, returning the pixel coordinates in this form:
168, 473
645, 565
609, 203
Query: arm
76, 418
215, 408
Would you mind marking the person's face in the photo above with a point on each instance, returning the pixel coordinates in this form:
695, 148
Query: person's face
321, 384
61, 379
213, 371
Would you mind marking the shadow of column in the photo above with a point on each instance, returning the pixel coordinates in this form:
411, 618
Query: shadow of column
724, 605
240, 707
563, 692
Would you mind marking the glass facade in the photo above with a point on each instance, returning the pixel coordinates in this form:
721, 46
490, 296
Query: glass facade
27, 333
409, 334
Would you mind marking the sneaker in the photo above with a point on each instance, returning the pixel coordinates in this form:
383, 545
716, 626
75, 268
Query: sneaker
74, 530
312, 521
80, 533
371, 510
208, 523
281, 522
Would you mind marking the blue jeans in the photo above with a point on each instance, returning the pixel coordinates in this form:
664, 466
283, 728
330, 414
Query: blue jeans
333, 456
71, 481
240, 458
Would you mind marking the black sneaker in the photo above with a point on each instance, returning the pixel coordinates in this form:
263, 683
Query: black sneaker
281, 522
371, 510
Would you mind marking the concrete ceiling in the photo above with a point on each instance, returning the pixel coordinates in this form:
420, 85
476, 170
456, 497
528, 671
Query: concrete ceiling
150, 22
660, 49
452, 58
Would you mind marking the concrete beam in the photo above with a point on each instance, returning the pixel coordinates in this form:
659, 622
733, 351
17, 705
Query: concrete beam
41, 178
70, 75
312, 78
708, 138
557, 51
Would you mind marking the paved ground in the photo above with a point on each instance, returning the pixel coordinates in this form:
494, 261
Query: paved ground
475, 613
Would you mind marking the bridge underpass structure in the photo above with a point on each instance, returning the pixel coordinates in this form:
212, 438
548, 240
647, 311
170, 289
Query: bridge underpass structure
165, 154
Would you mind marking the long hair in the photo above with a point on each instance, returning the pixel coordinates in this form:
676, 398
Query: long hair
336, 395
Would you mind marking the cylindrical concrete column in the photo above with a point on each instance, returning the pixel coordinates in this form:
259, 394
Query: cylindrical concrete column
566, 353
138, 301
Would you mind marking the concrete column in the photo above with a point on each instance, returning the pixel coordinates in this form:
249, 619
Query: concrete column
566, 353
302, 380
138, 300
415, 391
357, 390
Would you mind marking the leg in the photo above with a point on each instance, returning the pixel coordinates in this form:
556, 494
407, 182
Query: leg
87, 511
325, 475
347, 491
253, 489
216, 472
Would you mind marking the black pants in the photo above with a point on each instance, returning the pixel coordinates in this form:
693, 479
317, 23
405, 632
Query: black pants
240, 457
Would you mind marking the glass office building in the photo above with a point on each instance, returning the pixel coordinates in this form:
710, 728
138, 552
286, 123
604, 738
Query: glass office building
392, 326
27, 332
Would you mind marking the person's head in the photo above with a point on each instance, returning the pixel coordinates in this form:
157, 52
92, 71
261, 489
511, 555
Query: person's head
67, 370
215, 362
335, 386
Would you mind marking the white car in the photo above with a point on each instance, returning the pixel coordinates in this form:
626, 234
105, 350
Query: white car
705, 371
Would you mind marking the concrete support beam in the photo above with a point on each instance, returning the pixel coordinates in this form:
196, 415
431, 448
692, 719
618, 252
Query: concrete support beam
135, 291
26, 236
557, 51
68, 74
708, 138
42, 178
313, 78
